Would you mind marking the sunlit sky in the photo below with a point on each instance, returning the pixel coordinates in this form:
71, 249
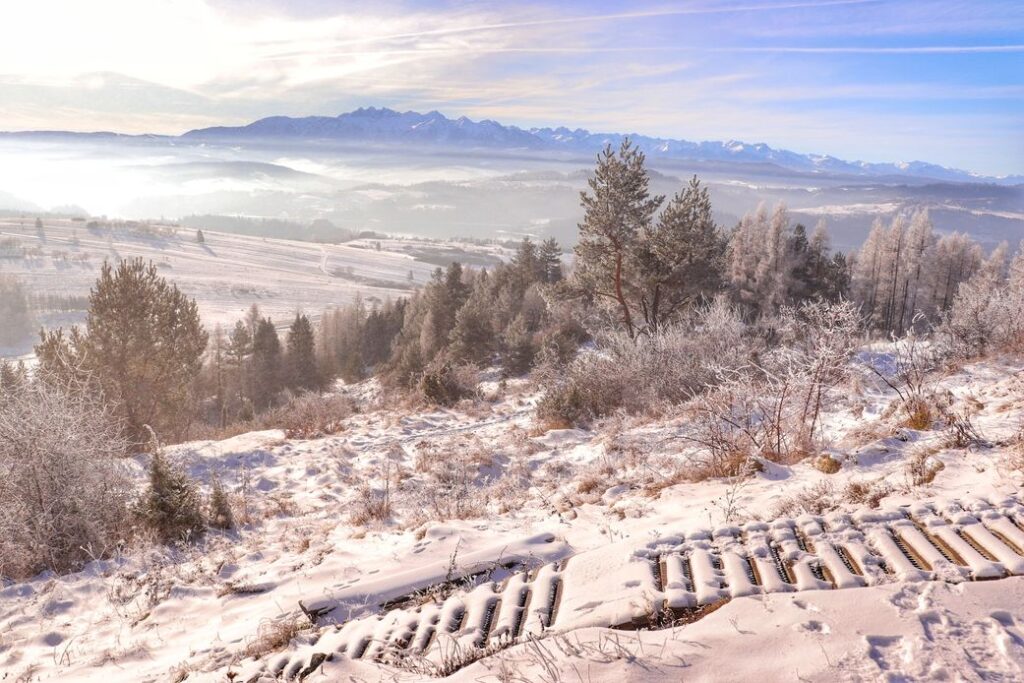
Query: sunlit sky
879, 80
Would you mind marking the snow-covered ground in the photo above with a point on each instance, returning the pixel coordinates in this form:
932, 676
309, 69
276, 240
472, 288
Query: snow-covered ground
481, 485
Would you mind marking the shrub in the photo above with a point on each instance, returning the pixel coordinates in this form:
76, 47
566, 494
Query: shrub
922, 467
171, 506
445, 384
220, 514
868, 493
826, 464
640, 375
64, 492
309, 416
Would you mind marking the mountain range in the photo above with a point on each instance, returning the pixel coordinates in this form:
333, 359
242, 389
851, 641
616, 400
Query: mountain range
387, 126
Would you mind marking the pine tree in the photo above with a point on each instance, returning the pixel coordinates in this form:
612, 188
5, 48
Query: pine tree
472, 339
682, 256
17, 323
266, 364
303, 372
801, 257
216, 364
519, 348
200, 237
527, 262
239, 344
618, 208
550, 256
143, 344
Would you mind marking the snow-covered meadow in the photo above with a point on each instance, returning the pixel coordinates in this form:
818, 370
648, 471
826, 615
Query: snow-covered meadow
482, 486
225, 274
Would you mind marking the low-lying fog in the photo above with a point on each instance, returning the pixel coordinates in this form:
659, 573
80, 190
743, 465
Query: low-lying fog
437, 193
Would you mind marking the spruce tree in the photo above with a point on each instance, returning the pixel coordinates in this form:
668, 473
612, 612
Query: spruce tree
171, 505
266, 364
303, 373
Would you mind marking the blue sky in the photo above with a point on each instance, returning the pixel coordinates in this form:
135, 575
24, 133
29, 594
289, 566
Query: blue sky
879, 80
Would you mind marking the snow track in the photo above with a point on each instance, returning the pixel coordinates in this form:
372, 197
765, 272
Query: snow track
677, 577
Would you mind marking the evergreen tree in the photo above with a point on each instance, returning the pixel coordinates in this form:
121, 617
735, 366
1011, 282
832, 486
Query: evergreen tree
801, 283
16, 319
472, 338
617, 209
13, 377
519, 348
143, 344
220, 515
681, 256
171, 505
239, 344
303, 372
550, 256
527, 262
266, 364
200, 237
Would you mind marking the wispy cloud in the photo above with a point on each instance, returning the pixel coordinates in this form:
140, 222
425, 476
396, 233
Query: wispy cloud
835, 76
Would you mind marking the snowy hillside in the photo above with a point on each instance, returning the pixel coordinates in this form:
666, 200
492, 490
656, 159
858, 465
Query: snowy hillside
480, 498
226, 273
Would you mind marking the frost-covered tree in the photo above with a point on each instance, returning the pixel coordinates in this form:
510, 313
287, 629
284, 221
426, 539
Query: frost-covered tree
957, 257
64, 486
760, 264
171, 505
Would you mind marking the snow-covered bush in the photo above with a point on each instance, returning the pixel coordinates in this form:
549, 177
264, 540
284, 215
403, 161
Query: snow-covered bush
64, 490
909, 369
643, 375
309, 416
770, 407
987, 314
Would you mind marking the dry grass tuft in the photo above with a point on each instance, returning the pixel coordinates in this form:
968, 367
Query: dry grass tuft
826, 464
275, 635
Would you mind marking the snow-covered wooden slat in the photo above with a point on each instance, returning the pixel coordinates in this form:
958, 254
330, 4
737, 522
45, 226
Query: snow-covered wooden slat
980, 566
543, 593
678, 587
707, 580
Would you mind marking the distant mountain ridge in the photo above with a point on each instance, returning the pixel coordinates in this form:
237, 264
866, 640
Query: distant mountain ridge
383, 125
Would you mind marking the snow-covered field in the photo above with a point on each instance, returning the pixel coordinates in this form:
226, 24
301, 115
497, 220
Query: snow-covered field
480, 486
227, 273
